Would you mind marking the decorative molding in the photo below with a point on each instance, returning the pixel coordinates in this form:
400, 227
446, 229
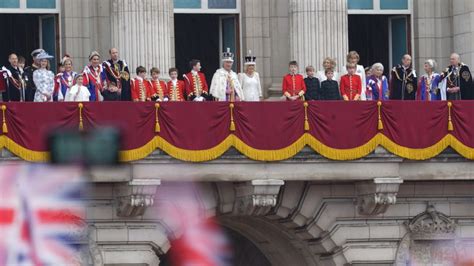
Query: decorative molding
374, 197
133, 198
256, 197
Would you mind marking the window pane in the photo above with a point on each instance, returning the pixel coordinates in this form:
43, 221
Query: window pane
229, 36
51, 4
360, 4
10, 4
48, 31
187, 3
225, 4
394, 4
399, 38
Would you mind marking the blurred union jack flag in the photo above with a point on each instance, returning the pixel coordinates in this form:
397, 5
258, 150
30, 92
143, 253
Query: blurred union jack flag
41, 215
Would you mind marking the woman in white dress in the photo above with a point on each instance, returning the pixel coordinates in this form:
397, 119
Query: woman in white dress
43, 79
328, 64
250, 80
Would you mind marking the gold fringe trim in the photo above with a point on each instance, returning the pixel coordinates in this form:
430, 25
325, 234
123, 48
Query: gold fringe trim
197, 156
459, 147
342, 154
265, 155
81, 122
157, 121
450, 121
306, 122
414, 154
4, 125
379, 108
270, 155
22, 152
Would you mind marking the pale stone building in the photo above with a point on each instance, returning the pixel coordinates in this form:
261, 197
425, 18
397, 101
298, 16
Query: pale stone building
381, 210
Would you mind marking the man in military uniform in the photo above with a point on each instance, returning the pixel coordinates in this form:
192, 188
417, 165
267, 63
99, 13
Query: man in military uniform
403, 82
30, 89
456, 83
15, 84
118, 78
195, 83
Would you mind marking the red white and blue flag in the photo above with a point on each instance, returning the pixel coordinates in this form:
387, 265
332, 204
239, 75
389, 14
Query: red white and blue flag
41, 215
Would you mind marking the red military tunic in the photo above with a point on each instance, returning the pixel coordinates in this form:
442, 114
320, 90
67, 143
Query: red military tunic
141, 91
158, 90
350, 87
293, 85
195, 84
176, 92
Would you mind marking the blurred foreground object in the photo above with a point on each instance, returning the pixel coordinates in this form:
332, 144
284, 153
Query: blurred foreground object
99, 146
41, 215
198, 239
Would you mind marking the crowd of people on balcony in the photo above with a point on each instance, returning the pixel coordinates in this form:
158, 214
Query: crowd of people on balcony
111, 80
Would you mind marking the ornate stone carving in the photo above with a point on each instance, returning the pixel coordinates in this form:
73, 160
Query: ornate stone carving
374, 197
134, 198
431, 240
432, 225
256, 197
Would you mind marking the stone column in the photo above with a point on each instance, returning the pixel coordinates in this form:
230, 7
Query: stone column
255, 17
318, 28
142, 31
463, 30
433, 32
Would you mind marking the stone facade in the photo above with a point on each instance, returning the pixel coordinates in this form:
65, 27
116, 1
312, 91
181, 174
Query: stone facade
323, 217
304, 211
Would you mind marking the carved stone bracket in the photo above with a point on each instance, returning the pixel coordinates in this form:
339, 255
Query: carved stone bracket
256, 197
374, 197
134, 197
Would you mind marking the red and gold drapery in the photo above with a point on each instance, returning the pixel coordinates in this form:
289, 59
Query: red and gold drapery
265, 131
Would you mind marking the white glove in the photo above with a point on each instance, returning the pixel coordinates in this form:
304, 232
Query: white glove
199, 99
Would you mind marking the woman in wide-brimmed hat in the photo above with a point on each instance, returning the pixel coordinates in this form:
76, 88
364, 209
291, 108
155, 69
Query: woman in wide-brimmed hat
44, 79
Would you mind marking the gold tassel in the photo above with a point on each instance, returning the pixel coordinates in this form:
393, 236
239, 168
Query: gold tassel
306, 122
232, 123
157, 123
450, 121
4, 126
81, 122
379, 107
